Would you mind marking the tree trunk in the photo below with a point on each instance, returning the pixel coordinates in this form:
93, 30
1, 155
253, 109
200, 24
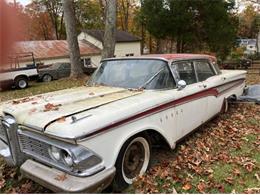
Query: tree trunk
70, 24
143, 38
258, 43
109, 39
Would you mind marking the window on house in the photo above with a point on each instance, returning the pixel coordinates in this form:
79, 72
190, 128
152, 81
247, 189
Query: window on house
129, 54
86, 61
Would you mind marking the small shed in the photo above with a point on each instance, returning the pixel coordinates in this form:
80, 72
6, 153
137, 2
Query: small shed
126, 43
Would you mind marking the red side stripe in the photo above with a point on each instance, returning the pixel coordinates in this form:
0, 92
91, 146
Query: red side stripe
208, 92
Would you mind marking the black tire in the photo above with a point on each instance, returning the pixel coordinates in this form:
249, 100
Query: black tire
122, 178
21, 82
47, 78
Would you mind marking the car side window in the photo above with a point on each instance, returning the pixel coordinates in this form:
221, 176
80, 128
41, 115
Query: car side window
204, 70
64, 66
186, 71
164, 80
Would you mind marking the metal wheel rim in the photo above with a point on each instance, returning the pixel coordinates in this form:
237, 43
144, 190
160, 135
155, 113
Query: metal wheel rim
140, 163
22, 83
46, 78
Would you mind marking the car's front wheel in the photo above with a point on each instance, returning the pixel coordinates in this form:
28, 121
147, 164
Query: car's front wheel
133, 160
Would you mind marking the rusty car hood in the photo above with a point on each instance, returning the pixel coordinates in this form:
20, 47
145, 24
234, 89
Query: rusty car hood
40, 111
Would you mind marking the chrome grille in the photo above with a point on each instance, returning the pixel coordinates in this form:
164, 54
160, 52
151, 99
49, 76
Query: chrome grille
2, 132
34, 147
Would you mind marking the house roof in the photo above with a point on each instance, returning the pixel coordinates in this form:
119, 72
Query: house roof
121, 36
53, 48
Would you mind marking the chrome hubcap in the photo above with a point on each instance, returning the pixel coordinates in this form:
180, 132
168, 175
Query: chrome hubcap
22, 83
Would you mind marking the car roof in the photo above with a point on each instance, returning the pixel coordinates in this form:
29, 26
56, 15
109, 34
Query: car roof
169, 57
180, 56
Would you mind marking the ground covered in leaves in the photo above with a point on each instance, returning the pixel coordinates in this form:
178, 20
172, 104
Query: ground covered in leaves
223, 156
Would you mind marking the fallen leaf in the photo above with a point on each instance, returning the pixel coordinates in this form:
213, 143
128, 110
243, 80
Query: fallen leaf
91, 93
257, 177
51, 107
229, 180
201, 187
187, 186
249, 166
2, 183
61, 120
61, 177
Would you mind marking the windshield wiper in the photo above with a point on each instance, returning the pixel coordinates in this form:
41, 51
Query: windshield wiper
151, 79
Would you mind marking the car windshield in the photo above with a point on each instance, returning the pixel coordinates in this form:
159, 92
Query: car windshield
134, 73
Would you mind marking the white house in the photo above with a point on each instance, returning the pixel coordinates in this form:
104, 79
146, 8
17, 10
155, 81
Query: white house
126, 43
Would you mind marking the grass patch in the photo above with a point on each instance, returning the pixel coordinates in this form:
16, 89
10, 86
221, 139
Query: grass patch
36, 88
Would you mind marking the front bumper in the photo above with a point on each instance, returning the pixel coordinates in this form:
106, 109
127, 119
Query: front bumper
6, 153
48, 177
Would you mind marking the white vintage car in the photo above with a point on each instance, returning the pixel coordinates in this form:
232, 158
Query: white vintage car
84, 139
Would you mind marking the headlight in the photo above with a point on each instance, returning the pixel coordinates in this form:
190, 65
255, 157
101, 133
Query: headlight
67, 158
76, 159
55, 153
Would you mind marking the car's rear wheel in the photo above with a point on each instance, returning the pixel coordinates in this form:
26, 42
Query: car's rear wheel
47, 78
21, 82
133, 160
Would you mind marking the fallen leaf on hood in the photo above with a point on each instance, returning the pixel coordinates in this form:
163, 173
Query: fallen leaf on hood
61, 120
23, 100
61, 177
51, 107
32, 110
34, 103
187, 186
91, 93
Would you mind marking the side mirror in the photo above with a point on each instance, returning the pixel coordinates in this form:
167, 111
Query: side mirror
181, 84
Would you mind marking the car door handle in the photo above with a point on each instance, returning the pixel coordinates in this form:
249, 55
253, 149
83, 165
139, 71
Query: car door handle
203, 86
